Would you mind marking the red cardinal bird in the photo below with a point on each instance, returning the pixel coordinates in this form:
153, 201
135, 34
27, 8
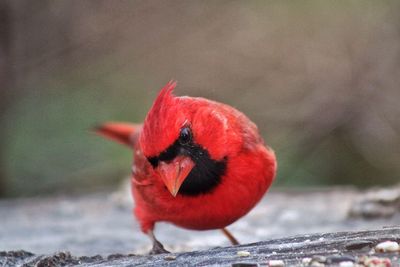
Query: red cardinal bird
198, 164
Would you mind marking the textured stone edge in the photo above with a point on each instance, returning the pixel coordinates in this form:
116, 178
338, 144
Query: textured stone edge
327, 249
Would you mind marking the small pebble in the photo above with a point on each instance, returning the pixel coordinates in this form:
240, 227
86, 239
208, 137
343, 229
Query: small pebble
387, 246
346, 264
371, 252
316, 264
306, 261
170, 258
276, 263
245, 264
243, 253
375, 262
318, 258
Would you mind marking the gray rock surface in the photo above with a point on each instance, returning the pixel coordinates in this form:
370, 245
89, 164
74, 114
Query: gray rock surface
307, 250
377, 203
102, 223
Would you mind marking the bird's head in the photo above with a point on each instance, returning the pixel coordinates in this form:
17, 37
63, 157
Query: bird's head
188, 141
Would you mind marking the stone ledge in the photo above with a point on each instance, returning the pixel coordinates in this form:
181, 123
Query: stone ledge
328, 249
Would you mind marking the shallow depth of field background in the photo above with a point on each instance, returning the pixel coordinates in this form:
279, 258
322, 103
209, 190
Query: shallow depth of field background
321, 79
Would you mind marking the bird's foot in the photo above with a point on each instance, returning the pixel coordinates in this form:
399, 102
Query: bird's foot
158, 248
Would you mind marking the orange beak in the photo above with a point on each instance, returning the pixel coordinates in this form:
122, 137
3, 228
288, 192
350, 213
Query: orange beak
175, 172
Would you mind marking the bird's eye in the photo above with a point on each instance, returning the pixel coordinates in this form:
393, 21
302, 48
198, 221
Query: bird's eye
185, 136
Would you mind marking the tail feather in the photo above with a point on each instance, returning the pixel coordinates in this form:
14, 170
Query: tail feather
123, 133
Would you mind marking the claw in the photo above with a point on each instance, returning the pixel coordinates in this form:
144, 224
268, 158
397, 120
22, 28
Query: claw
158, 248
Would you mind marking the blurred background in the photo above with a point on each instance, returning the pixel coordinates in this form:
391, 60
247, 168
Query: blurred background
320, 79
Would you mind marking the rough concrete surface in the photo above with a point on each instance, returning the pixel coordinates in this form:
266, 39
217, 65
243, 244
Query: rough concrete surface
102, 224
307, 250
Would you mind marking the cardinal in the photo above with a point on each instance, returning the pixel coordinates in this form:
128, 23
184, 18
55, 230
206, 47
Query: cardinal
198, 164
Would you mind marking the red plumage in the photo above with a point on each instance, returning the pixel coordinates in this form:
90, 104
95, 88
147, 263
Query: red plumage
188, 142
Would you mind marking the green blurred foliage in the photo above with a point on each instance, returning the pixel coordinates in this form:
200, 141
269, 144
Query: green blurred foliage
319, 78
52, 146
